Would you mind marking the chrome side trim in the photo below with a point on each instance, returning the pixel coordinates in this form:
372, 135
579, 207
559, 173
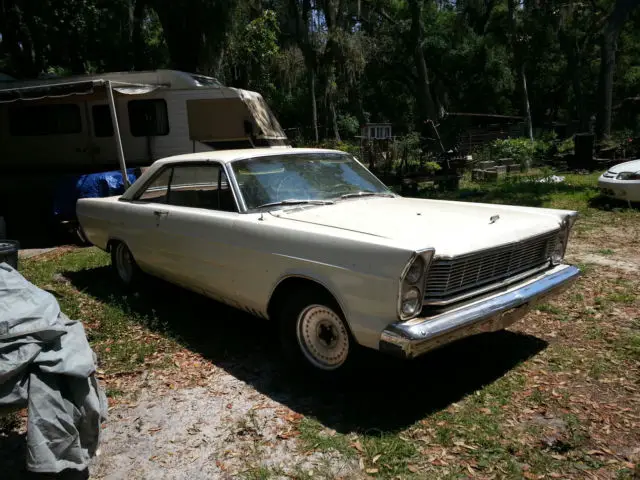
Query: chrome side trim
418, 336
488, 288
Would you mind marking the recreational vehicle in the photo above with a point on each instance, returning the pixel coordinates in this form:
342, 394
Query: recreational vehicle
65, 126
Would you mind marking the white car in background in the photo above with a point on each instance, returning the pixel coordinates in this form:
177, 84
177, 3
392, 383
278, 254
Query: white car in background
622, 181
313, 241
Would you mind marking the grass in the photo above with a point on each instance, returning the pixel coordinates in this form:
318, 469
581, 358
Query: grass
577, 192
568, 411
119, 336
315, 436
628, 346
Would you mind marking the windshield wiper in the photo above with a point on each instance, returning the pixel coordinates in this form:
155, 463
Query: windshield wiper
366, 194
293, 201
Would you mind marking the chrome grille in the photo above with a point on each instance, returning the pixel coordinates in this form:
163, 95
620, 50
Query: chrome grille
453, 277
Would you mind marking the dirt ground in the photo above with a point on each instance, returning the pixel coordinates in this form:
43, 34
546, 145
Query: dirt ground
223, 429
556, 396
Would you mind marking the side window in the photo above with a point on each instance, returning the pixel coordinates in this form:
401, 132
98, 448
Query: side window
35, 120
148, 118
201, 186
157, 190
102, 126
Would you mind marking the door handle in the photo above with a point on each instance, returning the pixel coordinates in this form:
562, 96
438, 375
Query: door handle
160, 213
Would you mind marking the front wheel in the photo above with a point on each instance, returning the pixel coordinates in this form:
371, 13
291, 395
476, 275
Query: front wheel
314, 333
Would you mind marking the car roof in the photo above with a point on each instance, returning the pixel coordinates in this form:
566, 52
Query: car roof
226, 156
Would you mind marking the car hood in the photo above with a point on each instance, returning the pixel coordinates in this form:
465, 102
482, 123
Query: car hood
452, 228
632, 166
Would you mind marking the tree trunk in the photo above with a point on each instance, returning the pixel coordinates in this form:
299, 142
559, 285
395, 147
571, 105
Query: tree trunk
334, 118
573, 53
426, 104
302, 24
575, 65
137, 42
519, 67
182, 34
609, 44
15, 40
314, 105
525, 98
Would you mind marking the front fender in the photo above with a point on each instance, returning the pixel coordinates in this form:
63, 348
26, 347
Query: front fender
367, 301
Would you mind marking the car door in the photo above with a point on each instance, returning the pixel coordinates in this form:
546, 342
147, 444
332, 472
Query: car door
143, 218
196, 236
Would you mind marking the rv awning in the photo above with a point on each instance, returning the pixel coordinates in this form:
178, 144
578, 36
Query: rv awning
59, 90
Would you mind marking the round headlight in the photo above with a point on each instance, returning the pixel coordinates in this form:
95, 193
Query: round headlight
415, 271
411, 301
558, 251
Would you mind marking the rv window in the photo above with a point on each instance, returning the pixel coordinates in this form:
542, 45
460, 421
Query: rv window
148, 118
44, 120
102, 126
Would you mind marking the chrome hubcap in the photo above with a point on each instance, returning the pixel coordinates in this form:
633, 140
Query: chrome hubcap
322, 337
124, 263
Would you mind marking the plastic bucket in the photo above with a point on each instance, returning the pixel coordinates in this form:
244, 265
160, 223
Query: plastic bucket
9, 252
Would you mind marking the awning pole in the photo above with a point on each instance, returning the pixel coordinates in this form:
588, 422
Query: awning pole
116, 132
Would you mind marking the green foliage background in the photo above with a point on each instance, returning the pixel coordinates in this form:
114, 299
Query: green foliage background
360, 54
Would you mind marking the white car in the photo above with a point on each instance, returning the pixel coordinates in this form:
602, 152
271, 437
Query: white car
622, 181
311, 239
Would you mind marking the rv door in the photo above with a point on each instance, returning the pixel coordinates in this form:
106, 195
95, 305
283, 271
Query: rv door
102, 144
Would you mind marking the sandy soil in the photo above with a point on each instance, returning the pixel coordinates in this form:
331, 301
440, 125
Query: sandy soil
222, 430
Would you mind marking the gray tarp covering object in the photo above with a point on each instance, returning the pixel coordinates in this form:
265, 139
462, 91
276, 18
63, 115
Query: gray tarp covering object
47, 365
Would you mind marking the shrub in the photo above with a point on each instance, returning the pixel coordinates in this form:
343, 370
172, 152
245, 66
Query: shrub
566, 145
348, 125
349, 147
521, 150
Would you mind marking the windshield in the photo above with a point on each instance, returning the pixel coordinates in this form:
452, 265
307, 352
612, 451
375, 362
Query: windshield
314, 177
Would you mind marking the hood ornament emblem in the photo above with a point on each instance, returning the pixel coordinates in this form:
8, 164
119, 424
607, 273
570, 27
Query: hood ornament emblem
494, 219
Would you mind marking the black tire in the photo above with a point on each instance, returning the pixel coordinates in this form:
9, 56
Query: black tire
333, 351
124, 265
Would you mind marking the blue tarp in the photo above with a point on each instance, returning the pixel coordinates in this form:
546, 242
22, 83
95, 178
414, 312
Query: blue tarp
93, 185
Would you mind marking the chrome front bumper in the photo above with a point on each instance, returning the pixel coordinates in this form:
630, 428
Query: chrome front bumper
499, 310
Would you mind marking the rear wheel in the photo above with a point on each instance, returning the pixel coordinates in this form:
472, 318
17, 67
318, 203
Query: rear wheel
82, 237
314, 333
124, 264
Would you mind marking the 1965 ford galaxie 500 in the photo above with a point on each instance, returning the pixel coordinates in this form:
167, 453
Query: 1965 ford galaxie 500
313, 240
